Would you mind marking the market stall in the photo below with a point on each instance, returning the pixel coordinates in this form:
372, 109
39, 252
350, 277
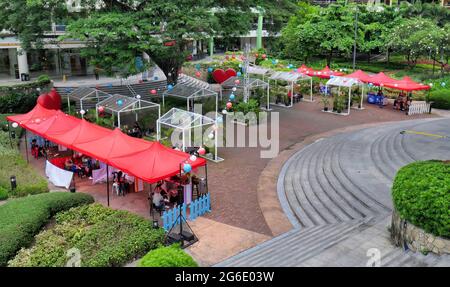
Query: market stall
233, 84
189, 125
190, 94
292, 78
346, 83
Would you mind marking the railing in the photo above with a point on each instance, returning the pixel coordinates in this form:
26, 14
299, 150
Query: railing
197, 208
417, 108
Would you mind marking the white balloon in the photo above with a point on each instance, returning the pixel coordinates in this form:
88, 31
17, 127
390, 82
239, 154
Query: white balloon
224, 112
82, 112
211, 136
15, 125
193, 158
234, 89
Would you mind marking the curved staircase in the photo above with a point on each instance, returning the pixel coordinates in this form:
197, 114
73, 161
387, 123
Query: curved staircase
336, 192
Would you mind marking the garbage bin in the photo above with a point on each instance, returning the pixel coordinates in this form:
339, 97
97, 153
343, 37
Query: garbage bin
24, 77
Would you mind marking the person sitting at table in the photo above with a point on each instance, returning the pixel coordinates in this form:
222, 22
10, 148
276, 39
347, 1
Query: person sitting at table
398, 101
158, 200
68, 164
34, 148
173, 196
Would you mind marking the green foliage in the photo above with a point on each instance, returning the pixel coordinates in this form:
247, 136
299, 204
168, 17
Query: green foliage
22, 218
421, 194
105, 237
440, 99
3, 193
18, 102
170, 256
12, 163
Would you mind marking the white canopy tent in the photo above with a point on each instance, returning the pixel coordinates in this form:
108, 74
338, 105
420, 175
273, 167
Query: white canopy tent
190, 93
257, 70
252, 84
347, 83
185, 122
292, 77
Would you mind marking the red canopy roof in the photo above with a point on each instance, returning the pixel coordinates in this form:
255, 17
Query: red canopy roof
304, 69
381, 79
407, 84
149, 161
325, 73
360, 75
155, 163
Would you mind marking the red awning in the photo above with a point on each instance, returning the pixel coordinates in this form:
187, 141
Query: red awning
149, 161
360, 75
407, 84
304, 69
155, 163
325, 73
381, 79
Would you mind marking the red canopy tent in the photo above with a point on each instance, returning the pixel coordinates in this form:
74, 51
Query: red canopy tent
155, 162
304, 69
149, 161
381, 79
407, 84
326, 73
360, 75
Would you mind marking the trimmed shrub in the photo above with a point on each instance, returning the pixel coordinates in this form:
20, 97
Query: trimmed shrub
22, 218
421, 194
170, 256
441, 99
104, 237
3, 193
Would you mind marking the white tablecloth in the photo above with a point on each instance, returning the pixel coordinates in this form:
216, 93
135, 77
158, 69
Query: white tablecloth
59, 177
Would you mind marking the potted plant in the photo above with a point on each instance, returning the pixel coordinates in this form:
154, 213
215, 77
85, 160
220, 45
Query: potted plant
340, 104
287, 100
325, 101
357, 99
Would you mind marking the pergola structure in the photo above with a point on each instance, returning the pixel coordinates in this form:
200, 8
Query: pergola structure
239, 83
347, 83
257, 70
190, 93
118, 104
292, 78
88, 97
186, 122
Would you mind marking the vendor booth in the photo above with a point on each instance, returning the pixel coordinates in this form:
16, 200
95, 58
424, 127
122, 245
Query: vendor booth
126, 111
190, 94
292, 78
346, 83
85, 98
257, 70
191, 125
233, 84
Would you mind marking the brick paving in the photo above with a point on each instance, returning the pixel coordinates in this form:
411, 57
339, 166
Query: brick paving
233, 183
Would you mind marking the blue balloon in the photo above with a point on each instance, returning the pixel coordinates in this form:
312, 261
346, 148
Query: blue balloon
274, 62
109, 85
210, 70
170, 87
232, 97
239, 74
119, 102
198, 66
443, 84
187, 168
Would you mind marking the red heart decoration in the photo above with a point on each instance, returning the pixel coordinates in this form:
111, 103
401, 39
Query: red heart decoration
220, 76
55, 98
45, 101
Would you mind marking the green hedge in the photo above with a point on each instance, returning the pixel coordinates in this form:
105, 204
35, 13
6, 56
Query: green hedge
171, 256
421, 194
104, 237
3, 193
441, 99
22, 218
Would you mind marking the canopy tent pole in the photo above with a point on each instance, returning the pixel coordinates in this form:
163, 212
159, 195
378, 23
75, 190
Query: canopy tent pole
68, 103
292, 93
9, 133
311, 90
107, 183
187, 103
26, 146
268, 97
81, 108
362, 95
118, 119
216, 140
158, 127
206, 177
184, 145
349, 99
163, 97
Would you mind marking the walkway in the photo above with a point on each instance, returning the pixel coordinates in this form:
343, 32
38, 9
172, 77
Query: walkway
336, 192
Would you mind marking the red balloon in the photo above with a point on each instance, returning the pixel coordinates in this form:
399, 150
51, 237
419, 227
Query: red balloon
264, 56
45, 101
198, 74
153, 92
55, 99
201, 151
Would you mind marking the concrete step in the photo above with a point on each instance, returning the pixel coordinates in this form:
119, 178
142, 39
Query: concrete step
298, 246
